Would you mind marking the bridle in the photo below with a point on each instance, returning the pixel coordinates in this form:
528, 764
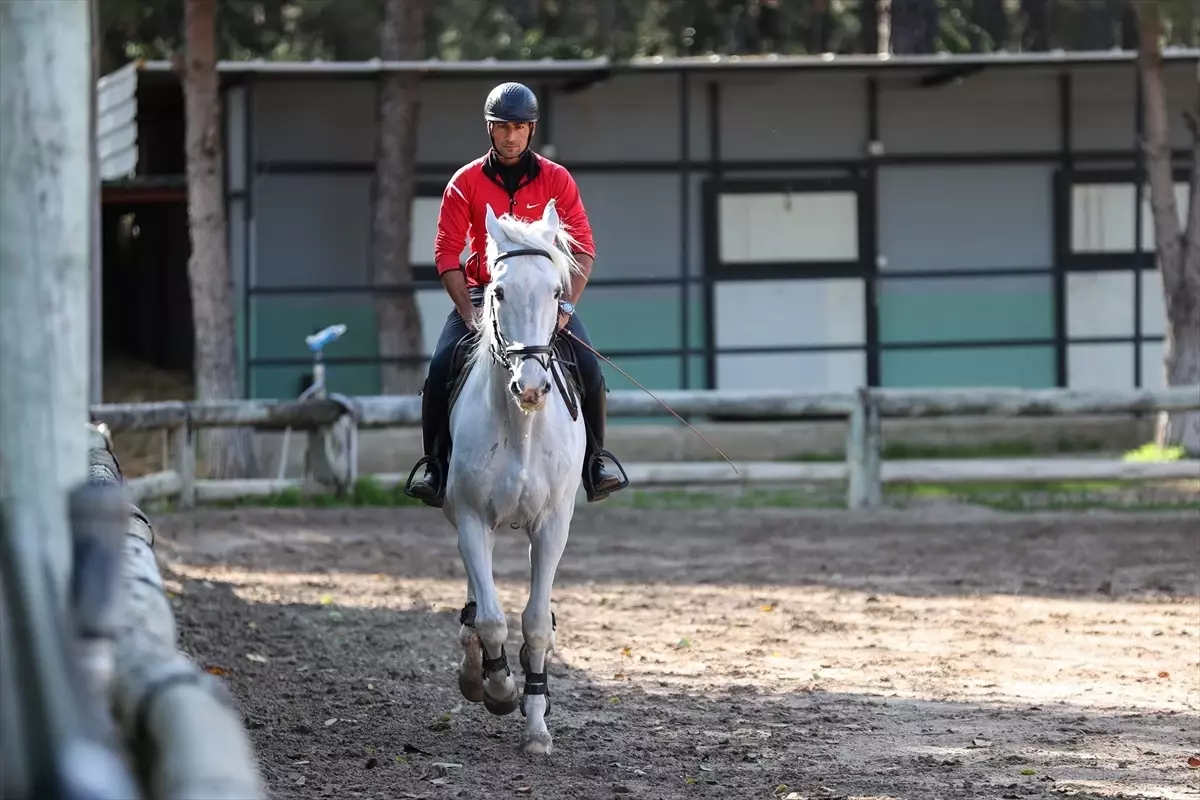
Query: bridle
503, 353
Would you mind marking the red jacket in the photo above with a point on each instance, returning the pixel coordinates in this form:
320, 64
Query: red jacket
475, 186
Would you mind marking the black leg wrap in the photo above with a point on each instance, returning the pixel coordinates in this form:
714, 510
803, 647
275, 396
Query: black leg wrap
496, 664
535, 683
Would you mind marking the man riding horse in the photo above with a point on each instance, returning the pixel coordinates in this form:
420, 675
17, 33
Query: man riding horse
510, 178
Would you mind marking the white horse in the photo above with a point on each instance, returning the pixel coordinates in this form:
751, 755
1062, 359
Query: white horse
517, 459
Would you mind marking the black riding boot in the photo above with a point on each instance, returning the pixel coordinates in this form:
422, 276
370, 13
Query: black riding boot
598, 480
430, 488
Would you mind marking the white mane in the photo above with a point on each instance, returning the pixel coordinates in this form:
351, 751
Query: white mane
541, 234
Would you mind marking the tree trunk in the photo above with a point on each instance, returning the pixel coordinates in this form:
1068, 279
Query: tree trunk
1178, 249
229, 453
399, 114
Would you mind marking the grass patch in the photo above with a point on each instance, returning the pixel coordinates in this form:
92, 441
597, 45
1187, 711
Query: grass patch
367, 492
1018, 496
900, 451
1049, 496
1154, 453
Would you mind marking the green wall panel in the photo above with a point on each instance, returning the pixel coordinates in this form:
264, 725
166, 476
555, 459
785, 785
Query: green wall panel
279, 325
961, 315
1009, 367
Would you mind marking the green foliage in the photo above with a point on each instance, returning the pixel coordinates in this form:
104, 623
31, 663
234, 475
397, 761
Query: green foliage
536, 29
1155, 453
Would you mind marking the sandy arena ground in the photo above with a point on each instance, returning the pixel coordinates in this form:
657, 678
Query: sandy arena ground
933, 653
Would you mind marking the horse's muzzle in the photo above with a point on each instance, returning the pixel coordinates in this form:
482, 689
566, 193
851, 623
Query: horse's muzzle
530, 397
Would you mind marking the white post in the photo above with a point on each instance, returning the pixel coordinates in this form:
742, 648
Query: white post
45, 218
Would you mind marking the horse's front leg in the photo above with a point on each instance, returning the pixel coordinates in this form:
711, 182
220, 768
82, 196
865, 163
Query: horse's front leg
500, 695
546, 546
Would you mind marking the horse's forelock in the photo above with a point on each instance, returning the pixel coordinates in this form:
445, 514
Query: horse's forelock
537, 234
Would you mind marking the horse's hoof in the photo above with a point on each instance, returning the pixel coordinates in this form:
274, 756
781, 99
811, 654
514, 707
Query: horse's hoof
500, 708
471, 688
537, 745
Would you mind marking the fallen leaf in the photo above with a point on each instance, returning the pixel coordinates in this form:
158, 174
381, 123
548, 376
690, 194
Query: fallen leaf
1194, 762
690, 780
214, 670
614, 700
627, 652
401, 760
1028, 772
1164, 674
767, 607
330, 721
326, 599
256, 658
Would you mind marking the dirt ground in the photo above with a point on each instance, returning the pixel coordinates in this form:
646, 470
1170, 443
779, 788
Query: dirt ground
737, 653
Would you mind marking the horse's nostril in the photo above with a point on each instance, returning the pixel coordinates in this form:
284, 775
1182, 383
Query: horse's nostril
546, 387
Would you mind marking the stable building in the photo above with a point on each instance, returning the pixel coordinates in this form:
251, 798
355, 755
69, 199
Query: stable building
803, 223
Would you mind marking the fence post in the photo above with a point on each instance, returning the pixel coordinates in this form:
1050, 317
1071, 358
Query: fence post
863, 439
183, 456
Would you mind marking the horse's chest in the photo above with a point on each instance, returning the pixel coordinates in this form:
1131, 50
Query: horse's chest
520, 494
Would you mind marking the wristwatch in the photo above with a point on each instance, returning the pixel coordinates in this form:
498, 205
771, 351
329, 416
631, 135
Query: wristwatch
566, 307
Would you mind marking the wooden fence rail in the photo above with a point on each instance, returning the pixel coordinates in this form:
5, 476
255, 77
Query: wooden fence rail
864, 472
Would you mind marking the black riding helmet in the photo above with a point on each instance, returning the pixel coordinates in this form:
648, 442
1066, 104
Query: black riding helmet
511, 102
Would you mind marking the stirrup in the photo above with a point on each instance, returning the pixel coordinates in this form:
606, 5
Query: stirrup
592, 494
437, 500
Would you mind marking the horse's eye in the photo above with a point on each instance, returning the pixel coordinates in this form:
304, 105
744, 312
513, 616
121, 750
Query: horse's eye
557, 294
499, 293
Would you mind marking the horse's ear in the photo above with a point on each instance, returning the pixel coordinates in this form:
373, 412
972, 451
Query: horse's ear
550, 216
492, 225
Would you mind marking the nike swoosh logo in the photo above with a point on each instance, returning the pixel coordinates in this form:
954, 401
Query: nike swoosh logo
532, 205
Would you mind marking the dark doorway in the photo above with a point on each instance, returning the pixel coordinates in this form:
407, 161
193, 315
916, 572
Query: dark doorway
146, 301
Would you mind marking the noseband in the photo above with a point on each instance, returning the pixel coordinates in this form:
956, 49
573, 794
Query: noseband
502, 351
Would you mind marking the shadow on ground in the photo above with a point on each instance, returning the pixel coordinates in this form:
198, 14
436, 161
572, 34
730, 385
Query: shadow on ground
713, 654
947, 552
356, 702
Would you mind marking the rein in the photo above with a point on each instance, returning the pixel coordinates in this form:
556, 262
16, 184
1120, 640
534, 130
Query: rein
656, 399
546, 351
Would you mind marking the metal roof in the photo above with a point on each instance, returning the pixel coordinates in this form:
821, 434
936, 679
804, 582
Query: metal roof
714, 63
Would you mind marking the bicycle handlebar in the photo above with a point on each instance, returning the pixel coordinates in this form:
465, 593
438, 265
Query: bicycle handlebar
317, 341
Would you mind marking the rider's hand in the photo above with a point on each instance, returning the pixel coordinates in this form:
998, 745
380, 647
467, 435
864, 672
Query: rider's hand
468, 317
563, 319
